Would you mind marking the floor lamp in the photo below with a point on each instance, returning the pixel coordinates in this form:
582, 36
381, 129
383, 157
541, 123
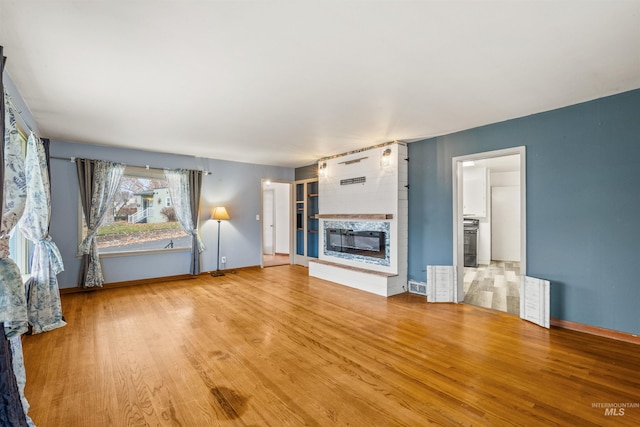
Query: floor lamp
219, 213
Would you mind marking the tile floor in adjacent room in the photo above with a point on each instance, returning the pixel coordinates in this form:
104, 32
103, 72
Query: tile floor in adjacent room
495, 286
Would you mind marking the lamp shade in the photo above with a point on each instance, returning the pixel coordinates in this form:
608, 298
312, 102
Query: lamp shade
219, 213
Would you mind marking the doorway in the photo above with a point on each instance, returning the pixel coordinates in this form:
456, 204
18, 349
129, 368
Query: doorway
276, 223
490, 196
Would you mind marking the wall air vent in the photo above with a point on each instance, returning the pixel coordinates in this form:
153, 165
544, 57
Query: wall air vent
417, 287
358, 180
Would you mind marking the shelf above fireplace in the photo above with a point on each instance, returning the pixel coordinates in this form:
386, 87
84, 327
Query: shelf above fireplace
355, 216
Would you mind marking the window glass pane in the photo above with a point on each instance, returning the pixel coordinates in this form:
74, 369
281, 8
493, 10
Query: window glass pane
18, 244
142, 218
19, 250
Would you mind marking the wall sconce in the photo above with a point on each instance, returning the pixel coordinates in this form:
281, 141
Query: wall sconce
385, 161
322, 169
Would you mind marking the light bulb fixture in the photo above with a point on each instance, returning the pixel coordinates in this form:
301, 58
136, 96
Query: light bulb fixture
385, 161
322, 169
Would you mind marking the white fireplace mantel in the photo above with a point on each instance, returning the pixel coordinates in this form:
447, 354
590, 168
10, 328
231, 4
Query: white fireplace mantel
355, 216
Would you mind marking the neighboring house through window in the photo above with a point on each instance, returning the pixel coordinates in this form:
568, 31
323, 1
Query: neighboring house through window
143, 218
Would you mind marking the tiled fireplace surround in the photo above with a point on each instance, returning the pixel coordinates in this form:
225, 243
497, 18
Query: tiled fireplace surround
365, 190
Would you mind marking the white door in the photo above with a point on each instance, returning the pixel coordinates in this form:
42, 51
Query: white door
282, 220
268, 221
442, 283
535, 300
505, 223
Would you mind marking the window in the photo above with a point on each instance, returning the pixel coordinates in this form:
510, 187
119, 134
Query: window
18, 244
19, 250
142, 217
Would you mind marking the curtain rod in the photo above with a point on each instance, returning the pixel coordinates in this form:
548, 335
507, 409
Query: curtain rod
147, 167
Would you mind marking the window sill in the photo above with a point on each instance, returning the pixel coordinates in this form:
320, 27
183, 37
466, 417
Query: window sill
135, 253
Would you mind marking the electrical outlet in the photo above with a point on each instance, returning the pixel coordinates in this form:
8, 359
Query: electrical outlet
223, 259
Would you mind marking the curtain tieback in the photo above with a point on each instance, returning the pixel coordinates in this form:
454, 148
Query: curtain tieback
55, 258
85, 246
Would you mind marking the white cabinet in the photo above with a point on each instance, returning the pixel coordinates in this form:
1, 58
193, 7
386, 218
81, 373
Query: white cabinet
474, 192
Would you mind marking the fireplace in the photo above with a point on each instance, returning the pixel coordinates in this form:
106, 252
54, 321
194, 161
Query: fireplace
366, 243
363, 227
357, 241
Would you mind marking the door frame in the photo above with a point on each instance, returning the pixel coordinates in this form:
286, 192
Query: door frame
458, 229
263, 185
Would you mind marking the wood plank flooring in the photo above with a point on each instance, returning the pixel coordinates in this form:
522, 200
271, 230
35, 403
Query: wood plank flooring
274, 347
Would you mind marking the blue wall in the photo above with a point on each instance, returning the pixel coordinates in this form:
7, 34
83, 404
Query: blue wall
583, 204
232, 184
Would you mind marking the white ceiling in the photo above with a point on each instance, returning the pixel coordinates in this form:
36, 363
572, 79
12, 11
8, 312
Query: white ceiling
287, 82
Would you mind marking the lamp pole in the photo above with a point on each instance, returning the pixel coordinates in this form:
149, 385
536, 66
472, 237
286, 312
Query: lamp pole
219, 213
218, 273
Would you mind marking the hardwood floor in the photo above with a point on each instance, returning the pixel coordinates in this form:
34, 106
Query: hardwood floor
274, 347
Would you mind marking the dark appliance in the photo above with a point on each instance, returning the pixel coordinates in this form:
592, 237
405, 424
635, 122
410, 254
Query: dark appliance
471, 242
364, 243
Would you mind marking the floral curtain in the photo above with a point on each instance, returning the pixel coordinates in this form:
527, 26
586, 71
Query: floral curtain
184, 189
11, 410
3, 59
98, 181
13, 305
43, 302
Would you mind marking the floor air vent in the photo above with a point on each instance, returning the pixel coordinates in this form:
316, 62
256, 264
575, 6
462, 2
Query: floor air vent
417, 287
